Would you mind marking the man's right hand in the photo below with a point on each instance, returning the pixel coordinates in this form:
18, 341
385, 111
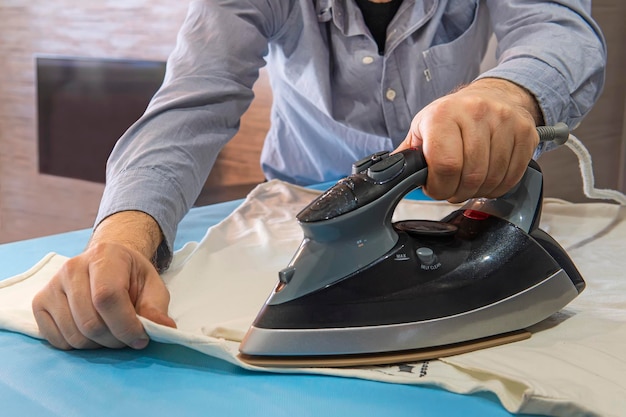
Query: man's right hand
94, 300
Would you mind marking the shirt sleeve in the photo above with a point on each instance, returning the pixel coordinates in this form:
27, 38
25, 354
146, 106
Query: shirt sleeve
161, 163
554, 50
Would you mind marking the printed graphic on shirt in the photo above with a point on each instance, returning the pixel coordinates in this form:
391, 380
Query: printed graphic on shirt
418, 369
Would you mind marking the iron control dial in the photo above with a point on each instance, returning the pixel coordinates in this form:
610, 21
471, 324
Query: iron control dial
426, 256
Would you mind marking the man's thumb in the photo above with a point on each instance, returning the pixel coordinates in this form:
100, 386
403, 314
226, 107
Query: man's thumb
157, 316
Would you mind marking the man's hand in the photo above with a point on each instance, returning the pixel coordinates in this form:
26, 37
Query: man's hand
477, 141
93, 301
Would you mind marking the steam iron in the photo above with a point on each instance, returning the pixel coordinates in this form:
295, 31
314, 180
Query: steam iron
360, 285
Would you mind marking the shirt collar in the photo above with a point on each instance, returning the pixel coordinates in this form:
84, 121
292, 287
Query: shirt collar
346, 15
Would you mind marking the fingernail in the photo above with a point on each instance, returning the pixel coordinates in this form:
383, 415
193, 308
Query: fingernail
140, 343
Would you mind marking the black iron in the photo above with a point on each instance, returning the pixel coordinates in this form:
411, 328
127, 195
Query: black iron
361, 284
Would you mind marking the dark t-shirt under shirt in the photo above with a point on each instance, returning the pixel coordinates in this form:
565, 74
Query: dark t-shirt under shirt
377, 17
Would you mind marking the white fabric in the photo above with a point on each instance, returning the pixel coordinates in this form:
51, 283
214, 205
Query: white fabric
573, 365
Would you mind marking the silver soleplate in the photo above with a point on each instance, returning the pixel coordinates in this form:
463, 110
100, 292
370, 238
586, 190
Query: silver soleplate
513, 313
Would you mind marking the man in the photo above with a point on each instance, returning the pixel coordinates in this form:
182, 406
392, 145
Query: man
349, 78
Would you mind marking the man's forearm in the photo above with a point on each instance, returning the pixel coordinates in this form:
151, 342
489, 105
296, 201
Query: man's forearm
134, 229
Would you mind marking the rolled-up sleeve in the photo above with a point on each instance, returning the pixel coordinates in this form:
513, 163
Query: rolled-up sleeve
554, 50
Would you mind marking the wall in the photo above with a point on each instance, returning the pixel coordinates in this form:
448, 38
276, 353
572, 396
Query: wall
32, 204
603, 130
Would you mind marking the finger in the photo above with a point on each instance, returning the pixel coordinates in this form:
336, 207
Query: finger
157, 315
55, 321
501, 150
68, 328
75, 315
412, 139
525, 140
84, 315
153, 302
110, 296
476, 138
48, 327
443, 151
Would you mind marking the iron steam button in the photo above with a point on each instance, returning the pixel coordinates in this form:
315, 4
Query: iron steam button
362, 164
386, 169
426, 256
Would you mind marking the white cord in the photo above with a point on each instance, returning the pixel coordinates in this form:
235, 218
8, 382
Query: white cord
586, 172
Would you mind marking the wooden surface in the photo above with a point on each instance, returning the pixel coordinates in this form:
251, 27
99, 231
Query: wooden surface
34, 205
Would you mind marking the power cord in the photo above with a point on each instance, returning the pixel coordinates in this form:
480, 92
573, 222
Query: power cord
559, 134
586, 172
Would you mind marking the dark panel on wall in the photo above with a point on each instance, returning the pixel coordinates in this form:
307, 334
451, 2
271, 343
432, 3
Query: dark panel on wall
84, 106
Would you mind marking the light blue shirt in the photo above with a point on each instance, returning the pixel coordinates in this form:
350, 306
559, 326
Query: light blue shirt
335, 100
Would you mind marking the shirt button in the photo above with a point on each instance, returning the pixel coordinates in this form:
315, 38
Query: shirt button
367, 60
390, 94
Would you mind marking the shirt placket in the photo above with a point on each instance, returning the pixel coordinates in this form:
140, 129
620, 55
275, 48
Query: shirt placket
396, 108
394, 102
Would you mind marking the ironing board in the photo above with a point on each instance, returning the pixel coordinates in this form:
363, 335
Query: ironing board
167, 380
